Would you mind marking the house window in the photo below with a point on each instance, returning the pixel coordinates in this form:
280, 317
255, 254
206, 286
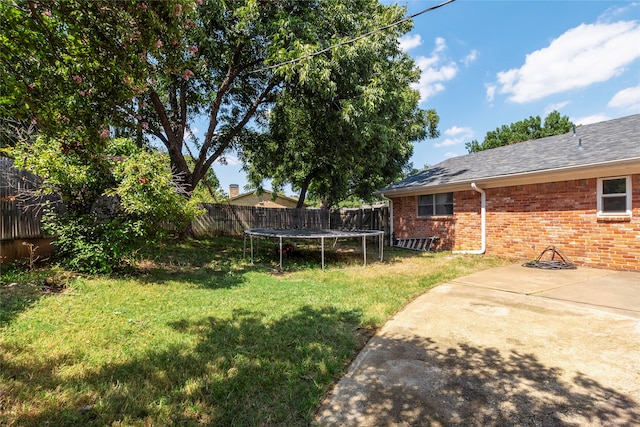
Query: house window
435, 204
614, 196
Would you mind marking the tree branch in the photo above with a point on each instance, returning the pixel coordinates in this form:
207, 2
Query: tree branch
21, 78
162, 115
154, 130
215, 106
50, 37
183, 108
173, 99
239, 126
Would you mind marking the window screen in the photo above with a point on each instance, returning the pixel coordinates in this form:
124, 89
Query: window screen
614, 195
435, 204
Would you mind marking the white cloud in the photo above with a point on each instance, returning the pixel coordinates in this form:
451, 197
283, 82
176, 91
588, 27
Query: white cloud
408, 42
558, 106
435, 71
456, 136
587, 120
491, 92
471, 57
616, 11
584, 55
457, 130
627, 99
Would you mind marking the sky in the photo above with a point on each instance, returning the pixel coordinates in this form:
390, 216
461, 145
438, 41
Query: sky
486, 63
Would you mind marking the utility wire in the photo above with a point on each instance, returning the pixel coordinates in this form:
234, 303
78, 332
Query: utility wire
355, 39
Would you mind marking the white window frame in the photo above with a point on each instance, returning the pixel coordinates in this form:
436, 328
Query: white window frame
628, 194
435, 205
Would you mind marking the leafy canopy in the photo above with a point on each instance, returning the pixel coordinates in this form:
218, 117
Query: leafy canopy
344, 124
524, 130
151, 70
143, 69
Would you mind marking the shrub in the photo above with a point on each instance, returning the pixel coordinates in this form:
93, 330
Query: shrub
115, 200
89, 244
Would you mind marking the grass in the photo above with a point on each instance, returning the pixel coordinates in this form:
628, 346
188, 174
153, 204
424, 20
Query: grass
194, 335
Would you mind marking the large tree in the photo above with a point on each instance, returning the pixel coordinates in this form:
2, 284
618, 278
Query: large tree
82, 69
524, 130
348, 130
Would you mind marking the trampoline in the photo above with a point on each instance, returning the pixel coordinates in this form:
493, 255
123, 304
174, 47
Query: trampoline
303, 233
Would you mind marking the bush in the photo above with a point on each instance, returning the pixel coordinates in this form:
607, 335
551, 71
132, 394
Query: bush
91, 245
115, 201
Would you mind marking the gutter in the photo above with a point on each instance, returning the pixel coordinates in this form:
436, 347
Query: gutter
483, 223
630, 166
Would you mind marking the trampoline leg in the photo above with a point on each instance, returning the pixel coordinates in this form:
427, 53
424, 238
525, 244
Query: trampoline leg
364, 251
280, 253
251, 240
322, 251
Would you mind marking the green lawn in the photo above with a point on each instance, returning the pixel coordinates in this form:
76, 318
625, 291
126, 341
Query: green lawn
196, 336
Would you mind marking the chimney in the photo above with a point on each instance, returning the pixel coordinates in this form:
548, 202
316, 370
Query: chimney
234, 190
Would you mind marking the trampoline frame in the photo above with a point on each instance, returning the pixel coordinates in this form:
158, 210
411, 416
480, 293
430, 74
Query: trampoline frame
304, 233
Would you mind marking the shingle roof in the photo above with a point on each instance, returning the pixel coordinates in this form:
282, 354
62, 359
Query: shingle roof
610, 141
269, 195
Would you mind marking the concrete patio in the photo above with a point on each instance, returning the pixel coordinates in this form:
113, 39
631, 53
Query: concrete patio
506, 346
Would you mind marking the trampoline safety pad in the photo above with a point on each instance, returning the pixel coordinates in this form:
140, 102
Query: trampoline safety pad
303, 233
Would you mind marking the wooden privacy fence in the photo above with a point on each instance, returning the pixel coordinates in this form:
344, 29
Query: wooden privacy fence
17, 223
21, 235
19, 215
233, 220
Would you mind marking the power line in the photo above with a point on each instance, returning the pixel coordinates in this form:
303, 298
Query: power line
355, 39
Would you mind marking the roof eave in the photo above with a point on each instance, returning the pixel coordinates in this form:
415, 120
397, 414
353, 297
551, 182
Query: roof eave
596, 170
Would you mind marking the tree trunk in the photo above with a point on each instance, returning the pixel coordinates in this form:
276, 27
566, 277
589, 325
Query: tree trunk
303, 192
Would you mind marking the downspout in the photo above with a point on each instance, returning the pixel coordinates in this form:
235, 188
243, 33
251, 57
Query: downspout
483, 223
390, 222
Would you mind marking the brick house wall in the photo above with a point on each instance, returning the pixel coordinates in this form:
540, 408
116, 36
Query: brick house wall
523, 220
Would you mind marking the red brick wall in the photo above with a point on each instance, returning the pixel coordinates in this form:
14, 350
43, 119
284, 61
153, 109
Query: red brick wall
523, 220
407, 224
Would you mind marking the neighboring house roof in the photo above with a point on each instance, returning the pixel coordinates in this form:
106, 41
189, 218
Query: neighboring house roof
611, 147
264, 200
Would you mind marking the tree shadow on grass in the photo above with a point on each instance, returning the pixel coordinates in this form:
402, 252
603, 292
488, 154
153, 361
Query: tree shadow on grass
15, 298
209, 263
245, 370
204, 277
417, 383
341, 255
